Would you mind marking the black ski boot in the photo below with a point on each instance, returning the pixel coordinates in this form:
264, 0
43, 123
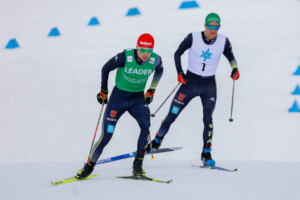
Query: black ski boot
156, 142
137, 168
206, 156
86, 170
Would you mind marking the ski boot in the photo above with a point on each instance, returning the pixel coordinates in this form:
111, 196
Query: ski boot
156, 142
206, 156
137, 168
86, 170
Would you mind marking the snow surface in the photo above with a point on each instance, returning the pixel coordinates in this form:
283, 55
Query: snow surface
49, 110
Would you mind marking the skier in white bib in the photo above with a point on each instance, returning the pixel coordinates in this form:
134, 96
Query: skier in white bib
205, 50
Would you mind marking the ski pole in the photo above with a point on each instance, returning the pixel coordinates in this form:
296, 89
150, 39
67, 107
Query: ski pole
230, 119
96, 130
153, 115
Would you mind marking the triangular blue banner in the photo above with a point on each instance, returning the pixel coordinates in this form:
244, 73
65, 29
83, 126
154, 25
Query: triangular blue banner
12, 44
54, 32
93, 22
133, 11
297, 72
294, 107
297, 90
189, 4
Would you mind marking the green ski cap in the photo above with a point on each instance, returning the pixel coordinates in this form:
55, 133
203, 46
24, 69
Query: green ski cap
212, 17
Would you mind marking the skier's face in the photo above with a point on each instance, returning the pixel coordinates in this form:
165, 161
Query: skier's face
143, 56
211, 30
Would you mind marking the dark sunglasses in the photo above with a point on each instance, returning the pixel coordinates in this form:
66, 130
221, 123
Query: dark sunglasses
211, 27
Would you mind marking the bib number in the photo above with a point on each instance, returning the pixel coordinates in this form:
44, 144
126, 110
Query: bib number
203, 68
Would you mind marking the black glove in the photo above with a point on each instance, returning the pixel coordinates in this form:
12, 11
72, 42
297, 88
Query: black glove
149, 95
102, 96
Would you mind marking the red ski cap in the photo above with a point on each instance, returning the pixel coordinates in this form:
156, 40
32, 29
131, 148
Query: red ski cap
146, 41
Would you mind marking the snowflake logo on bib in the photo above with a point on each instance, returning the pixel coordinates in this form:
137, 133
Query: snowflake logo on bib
206, 54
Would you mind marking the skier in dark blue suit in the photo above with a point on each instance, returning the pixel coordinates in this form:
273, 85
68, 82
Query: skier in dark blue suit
134, 66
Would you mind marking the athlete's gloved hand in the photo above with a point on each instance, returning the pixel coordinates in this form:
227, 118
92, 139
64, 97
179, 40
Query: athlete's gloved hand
235, 75
182, 78
149, 95
102, 96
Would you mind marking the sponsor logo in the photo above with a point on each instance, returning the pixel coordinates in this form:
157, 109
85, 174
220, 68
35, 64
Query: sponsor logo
206, 55
145, 43
116, 58
138, 71
213, 19
129, 58
110, 119
212, 99
175, 110
110, 128
152, 60
105, 160
113, 113
181, 97
179, 102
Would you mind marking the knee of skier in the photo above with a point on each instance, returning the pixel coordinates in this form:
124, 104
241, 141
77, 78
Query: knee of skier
207, 120
105, 140
145, 125
169, 120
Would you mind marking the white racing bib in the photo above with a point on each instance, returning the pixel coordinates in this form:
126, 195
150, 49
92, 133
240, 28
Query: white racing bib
204, 59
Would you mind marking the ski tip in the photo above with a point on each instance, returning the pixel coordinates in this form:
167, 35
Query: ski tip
57, 183
170, 181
